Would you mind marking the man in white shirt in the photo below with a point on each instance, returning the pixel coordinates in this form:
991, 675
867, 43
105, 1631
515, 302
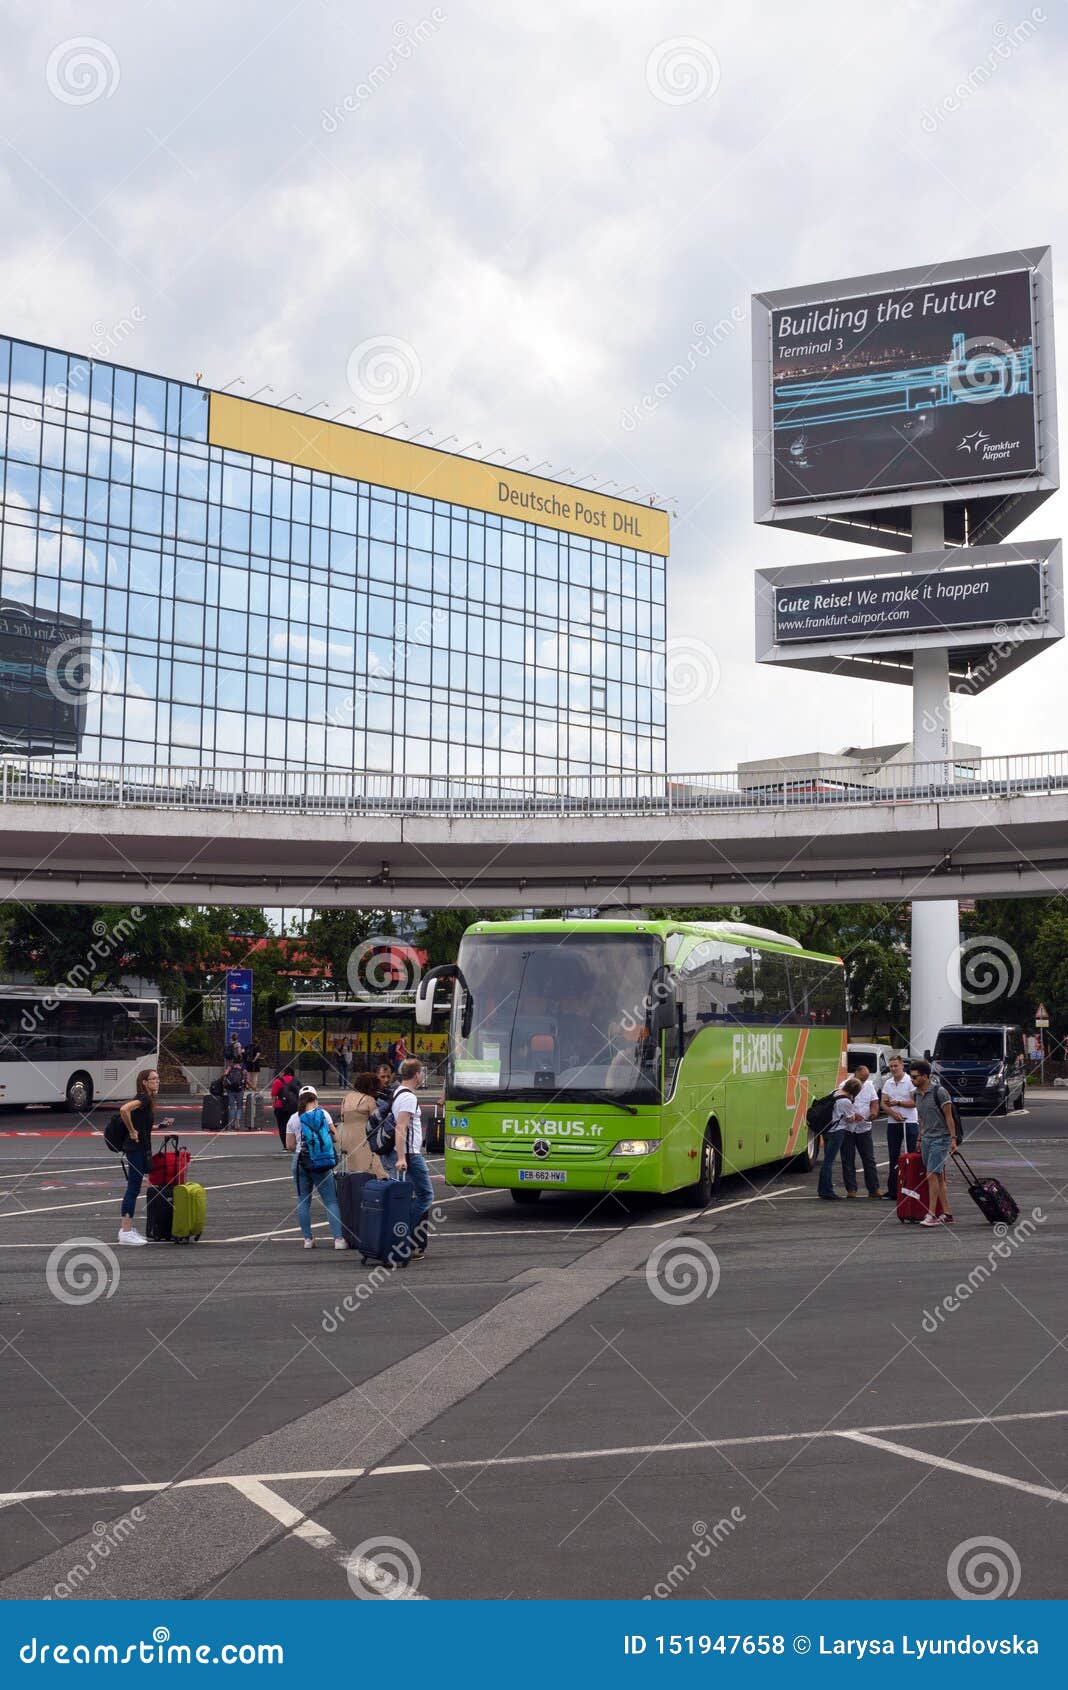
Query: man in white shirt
858, 1137
902, 1126
407, 1157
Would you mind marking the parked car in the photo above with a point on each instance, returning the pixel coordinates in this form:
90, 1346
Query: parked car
874, 1056
984, 1065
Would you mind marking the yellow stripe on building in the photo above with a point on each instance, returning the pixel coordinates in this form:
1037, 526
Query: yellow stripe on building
264, 431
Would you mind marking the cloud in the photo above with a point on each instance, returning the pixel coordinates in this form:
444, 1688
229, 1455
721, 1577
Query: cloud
515, 203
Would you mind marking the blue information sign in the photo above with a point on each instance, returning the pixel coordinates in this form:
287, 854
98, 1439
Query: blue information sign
239, 1004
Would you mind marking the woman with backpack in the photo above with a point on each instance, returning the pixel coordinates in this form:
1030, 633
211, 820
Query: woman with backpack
137, 1116
312, 1137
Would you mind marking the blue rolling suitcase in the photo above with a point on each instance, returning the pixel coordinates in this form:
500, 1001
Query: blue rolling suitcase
350, 1189
385, 1223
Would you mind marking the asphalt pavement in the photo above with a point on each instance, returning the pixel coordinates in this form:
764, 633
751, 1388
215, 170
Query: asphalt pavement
779, 1397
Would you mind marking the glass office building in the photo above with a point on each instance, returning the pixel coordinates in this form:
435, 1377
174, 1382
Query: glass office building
191, 579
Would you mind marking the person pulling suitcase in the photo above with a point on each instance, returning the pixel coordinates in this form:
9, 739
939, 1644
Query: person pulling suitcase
406, 1158
938, 1141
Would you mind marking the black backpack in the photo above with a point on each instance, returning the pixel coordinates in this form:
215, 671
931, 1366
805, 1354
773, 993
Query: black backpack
821, 1113
289, 1096
381, 1127
944, 1095
115, 1134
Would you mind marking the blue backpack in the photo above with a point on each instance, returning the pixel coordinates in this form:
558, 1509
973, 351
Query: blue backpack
316, 1144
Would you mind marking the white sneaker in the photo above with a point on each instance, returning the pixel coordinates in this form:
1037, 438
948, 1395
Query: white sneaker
340, 1244
309, 1244
132, 1236
929, 1220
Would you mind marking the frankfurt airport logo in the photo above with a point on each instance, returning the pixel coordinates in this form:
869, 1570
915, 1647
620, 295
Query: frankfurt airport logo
972, 442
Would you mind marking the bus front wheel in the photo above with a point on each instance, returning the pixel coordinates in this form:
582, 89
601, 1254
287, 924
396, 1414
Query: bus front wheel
79, 1094
704, 1190
525, 1196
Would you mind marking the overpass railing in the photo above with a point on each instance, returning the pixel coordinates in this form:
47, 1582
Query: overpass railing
368, 793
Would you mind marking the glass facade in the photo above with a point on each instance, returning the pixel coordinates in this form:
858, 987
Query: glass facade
170, 603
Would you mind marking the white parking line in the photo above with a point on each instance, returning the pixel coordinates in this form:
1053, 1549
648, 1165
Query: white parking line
862, 1434
60, 1208
948, 1466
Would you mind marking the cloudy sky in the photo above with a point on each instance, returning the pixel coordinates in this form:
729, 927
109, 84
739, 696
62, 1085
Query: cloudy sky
551, 208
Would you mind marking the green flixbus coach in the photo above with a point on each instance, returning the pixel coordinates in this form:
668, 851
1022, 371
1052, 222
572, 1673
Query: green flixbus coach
627, 1055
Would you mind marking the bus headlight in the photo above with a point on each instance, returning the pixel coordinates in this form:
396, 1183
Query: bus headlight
634, 1147
461, 1141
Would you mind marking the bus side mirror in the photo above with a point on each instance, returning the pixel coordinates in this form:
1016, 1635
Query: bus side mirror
424, 996
424, 1002
664, 1011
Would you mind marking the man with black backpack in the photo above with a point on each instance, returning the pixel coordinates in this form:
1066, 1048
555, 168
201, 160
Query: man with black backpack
285, 1098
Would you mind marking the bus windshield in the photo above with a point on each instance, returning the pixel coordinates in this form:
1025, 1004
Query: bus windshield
557, 1015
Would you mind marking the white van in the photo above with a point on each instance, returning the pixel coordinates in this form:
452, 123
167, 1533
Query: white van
875, 1057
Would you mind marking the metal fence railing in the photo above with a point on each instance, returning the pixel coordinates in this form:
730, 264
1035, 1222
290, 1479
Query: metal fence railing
337, 793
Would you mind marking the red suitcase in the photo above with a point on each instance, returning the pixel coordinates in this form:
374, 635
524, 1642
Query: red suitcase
912, 1198
169, 1163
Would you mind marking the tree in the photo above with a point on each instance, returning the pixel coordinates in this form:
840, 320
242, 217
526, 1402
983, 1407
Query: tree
340, 939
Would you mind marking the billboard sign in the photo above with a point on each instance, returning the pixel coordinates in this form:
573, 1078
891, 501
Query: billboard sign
910, 603
239, 1004
878, 394
908, 387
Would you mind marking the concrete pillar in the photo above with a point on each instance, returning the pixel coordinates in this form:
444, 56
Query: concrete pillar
935, 995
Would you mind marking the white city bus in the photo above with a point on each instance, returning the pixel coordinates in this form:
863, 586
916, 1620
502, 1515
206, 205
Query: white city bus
62, 1045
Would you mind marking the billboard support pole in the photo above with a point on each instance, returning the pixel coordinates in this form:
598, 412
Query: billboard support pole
935, 996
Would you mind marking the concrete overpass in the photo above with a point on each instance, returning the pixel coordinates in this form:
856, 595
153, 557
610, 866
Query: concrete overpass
245, 837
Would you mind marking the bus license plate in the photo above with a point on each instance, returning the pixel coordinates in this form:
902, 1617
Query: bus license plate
543, 1176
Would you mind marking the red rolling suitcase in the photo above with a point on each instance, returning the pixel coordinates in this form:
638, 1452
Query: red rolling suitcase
170, 1162
911, 1187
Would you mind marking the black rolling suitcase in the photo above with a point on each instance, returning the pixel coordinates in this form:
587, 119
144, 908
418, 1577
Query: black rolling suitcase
994, 1202
385, 1227
159, 1220
212, 1114
349, 1188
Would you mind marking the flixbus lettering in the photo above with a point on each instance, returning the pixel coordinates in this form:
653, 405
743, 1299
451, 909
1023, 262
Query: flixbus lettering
548, 1129
757, 1053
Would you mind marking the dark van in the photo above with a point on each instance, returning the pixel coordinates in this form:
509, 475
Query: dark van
983, 1066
